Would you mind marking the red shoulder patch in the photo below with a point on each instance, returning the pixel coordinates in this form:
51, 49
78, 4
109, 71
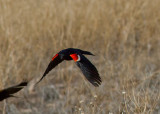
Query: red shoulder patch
54, 57
75, 57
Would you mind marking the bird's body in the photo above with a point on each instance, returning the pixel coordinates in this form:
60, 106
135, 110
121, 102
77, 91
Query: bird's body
87, 68
65, 54
8, 92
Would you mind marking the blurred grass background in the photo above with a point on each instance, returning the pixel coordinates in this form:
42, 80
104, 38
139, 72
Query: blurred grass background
123, 34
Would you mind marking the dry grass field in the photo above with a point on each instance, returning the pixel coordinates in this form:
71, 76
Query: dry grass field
123, 34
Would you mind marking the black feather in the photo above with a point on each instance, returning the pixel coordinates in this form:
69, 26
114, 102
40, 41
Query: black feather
51, 65
89, 71
5, 93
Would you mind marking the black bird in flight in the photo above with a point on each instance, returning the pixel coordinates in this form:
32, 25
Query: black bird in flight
87, 68
8, 92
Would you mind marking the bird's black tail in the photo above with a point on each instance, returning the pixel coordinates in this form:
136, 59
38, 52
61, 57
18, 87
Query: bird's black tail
87, 53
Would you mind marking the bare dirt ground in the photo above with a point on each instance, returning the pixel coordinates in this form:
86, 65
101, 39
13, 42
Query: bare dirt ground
123, 34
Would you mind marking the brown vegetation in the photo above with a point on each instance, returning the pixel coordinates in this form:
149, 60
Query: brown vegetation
123, 34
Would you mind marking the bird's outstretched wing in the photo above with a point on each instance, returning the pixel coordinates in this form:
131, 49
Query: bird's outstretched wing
5, 93
87, 68
55, 61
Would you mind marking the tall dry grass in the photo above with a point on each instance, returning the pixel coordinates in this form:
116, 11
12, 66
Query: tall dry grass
123, 34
